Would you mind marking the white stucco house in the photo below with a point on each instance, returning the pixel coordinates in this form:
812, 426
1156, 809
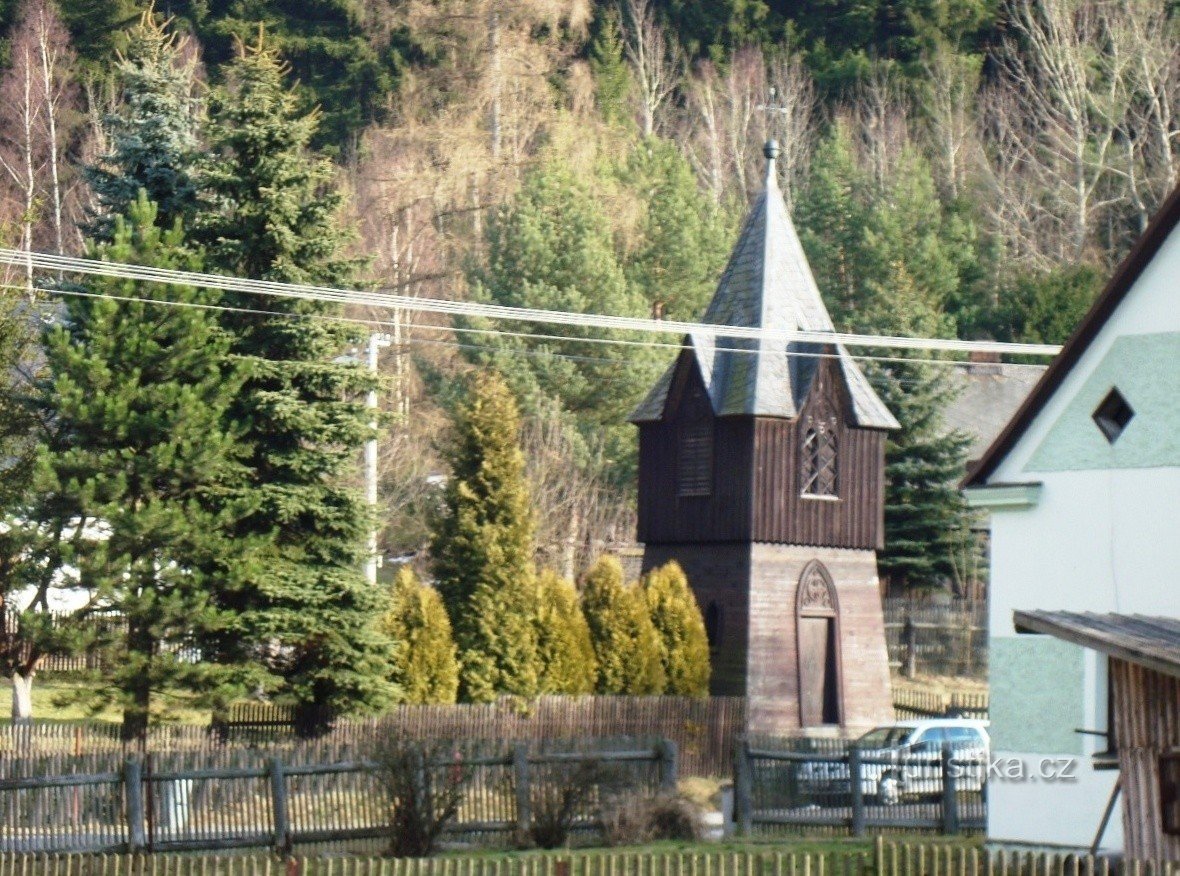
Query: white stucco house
1083, 491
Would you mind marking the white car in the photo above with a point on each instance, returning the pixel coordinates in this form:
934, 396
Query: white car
904, 759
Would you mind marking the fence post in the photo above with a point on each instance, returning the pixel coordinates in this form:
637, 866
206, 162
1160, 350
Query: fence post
669, 758
278, 799
742, 790
520, 773
133, 793
950, 800
855, 772
909, 634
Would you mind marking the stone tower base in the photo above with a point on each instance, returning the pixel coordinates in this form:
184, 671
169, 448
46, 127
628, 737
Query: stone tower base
750, 596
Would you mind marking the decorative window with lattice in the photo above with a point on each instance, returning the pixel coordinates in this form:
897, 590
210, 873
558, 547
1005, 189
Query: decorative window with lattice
820, 463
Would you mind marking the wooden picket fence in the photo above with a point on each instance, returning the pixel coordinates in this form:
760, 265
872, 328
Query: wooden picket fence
703, 730
937, 639
884, 859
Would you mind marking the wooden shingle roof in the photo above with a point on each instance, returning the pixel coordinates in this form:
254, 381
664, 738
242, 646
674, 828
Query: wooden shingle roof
1150, 641
767, 284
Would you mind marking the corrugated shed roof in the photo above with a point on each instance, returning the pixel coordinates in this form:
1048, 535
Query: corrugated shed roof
1146, 640
767, 284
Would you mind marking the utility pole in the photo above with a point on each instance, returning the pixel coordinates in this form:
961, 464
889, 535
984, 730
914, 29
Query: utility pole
377, 340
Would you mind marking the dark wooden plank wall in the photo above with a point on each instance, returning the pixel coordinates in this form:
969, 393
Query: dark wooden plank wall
1147, 724
756, 478
782, 514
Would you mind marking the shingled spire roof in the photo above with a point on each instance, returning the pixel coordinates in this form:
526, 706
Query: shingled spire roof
767, 284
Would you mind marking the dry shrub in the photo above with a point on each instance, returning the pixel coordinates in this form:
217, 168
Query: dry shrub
424, 785
631, 819
557, 799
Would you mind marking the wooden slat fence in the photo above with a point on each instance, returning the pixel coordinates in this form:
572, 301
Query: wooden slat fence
702, 728
944, 639
885, 859
97, 627
154, 805
910, 703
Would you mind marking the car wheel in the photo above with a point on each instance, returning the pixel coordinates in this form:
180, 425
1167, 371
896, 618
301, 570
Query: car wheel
888, 790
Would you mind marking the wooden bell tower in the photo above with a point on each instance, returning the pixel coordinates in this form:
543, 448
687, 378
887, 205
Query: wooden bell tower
761, 471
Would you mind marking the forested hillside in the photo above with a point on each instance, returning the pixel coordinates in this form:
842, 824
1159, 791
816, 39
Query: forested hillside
955, 167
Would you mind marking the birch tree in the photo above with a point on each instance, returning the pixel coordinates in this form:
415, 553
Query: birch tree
656, 60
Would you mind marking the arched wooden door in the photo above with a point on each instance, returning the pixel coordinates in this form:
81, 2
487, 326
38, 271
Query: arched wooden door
817, 624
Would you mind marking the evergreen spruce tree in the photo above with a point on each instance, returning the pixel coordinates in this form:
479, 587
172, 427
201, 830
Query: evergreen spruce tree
926, 517
152, 136
344, 59
626, 643
684, 647
483, 549
98, 30
273, 216
135, 467
426, 669
565, 653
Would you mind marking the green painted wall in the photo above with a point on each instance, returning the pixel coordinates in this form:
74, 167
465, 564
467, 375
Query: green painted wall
1036, 685
1146, 370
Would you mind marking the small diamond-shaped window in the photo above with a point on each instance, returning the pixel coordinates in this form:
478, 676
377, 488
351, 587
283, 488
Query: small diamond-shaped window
1113, 415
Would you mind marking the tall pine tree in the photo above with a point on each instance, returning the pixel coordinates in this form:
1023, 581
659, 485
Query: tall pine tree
135, 470
152, 135
273, 216
551, 247
685, 237
483, 549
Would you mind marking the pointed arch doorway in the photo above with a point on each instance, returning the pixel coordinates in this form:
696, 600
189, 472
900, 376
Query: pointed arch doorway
817, 626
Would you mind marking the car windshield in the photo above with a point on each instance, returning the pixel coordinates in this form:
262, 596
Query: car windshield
884, 737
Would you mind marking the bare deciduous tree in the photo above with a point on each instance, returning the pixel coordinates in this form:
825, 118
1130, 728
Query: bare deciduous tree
656, 60
949, 112
578, 515
729, 117
38, 99
1056, 122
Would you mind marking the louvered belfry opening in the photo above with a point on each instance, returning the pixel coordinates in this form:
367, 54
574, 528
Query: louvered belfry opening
759, 457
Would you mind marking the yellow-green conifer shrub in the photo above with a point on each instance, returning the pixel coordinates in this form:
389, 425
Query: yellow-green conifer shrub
425, 667
684, 647
564, 649
625, 641
483, 548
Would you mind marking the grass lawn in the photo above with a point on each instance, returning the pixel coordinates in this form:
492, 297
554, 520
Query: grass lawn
56, 700
800, 845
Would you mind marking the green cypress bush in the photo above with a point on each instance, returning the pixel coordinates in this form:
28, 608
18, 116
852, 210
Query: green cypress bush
425, 666
684, 647
626, 644
566, 654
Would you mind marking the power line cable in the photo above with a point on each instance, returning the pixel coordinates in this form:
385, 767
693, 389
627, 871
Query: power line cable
91, 267
370, 323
